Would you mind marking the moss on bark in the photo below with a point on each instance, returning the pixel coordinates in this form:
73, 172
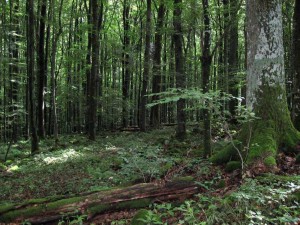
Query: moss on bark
274, 128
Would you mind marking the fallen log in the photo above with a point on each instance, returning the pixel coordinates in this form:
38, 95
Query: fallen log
94, 204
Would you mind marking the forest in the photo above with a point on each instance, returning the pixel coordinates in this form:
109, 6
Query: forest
149, 112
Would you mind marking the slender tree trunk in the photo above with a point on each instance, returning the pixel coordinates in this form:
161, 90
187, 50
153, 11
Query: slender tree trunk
41, 71
179, 68
295, 65
55, 38
14, 67
126, 62
142, 122
31, 75
93, 87
206, 60
157, 78
233, 44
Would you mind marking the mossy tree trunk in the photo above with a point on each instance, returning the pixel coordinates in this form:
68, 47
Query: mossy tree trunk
47, 211
266, 94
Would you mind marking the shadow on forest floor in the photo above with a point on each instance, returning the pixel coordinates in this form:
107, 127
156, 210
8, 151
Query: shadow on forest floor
125, 158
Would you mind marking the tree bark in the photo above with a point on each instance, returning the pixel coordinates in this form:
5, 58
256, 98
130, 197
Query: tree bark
126, 62
94, 76
31, 75
41, 71
206, 60
179, 68
233, 43
142, 121
94, 204
266, 94
295, 65
157, 78
14, 67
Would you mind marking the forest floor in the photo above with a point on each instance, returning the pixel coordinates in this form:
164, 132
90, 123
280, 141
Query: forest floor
119, 159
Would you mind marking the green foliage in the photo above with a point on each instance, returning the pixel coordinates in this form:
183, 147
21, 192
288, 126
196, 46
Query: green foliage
263, 201
144, 217
233, 165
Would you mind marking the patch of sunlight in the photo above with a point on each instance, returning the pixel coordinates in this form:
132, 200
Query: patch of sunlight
63, 156
110, 147
13, 168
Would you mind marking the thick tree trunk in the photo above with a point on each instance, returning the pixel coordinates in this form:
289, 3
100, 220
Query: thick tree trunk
295, 65
266, 94
179, 68
31, 75
94, 204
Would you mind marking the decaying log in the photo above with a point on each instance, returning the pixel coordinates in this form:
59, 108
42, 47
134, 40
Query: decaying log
93, 204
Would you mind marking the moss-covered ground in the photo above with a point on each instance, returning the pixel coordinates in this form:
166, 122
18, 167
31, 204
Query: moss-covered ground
117, 159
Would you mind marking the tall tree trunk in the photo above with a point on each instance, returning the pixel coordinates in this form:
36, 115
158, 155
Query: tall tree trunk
126, 62
31, 75
14, 67
295, 65
93, 87
206, 60
266, 91
179, 68
157, 78
233, 44
142, 121
55, 37
41, 71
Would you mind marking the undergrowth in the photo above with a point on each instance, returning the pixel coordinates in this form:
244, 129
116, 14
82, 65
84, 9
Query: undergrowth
268, 201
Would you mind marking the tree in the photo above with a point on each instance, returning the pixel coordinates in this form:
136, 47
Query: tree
55, 37
179, 68
206, 60
266, 94
295, 65
31, 75
94, 75
146, 72
157, 78
126, 61
14, 66
41, 70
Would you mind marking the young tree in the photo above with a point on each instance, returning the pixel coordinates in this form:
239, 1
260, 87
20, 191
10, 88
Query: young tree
266, 94
31, 75
295, 65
